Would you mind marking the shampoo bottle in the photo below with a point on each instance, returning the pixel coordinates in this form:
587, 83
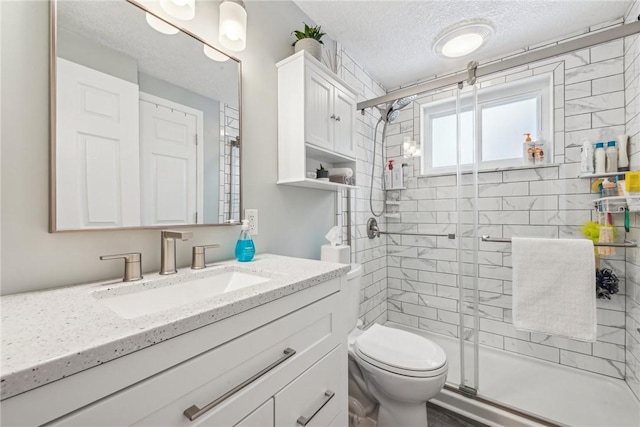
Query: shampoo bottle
623, 158
612, 157
388, 181
600, 158
245, 249
586, 160
529, 150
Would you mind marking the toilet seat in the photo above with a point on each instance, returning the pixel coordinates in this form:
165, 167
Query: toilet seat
400, 352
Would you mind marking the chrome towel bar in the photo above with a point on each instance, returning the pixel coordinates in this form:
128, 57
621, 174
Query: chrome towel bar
374, 231
625, 244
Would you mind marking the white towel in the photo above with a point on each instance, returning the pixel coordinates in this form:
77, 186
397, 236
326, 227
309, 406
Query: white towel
554, 287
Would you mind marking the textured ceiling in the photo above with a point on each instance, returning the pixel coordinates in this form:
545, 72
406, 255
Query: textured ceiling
393, 39
177, 58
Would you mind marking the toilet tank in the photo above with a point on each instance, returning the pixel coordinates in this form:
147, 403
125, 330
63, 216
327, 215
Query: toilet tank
353, 295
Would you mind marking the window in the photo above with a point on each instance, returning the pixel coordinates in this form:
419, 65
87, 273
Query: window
505, 112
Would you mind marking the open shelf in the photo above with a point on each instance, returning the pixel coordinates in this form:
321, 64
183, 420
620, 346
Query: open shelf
319, 185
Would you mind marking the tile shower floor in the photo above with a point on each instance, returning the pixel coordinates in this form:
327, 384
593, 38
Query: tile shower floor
563, 394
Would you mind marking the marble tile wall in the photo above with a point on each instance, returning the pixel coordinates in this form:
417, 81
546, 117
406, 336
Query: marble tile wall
370, 253
632, 101
589, 102
229, 204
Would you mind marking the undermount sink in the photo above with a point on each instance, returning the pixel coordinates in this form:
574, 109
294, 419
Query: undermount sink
152, 300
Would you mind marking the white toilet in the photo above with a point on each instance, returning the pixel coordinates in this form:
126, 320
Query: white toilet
401, 370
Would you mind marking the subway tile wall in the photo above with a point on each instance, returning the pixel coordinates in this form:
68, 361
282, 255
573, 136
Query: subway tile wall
589, 103
370, 253
632, 123
229, 204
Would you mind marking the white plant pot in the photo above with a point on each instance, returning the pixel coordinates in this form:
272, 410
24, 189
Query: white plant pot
313, 47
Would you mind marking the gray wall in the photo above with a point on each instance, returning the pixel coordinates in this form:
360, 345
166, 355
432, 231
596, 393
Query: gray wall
293, 221
93, 55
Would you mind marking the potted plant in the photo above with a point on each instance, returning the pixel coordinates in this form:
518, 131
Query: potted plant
310, 40
322, 173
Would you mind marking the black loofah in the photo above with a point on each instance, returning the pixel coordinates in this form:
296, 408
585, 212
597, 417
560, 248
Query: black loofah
606, 283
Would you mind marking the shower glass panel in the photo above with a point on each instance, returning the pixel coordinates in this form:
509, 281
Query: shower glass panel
467, 242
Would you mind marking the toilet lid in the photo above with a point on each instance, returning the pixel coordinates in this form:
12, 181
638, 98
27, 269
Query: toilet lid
400, 349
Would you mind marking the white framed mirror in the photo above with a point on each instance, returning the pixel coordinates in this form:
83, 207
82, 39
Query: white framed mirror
145, 122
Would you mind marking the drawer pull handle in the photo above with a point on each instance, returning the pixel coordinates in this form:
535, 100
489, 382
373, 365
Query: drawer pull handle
328, 395
194, 412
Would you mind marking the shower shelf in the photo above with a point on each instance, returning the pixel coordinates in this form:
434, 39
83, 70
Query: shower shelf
391, 215
393, 202
395, 188
600, 175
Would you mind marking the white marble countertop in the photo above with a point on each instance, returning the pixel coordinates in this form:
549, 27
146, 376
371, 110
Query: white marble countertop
48, 335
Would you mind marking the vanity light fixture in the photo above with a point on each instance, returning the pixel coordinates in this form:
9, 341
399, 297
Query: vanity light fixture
462, 39
160, 26
184, 10
233, 25
214, 54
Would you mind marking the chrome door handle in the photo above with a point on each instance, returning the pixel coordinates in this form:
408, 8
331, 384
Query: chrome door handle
328, 395
194, 412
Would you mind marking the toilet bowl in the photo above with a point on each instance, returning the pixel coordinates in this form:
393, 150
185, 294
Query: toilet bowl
399, 369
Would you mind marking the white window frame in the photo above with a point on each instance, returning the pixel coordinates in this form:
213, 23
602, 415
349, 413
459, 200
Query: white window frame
539, 87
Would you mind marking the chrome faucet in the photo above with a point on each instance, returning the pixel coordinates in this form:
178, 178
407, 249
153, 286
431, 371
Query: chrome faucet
168, 249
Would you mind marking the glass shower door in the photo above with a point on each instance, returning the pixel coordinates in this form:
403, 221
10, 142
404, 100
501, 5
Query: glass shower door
467, 242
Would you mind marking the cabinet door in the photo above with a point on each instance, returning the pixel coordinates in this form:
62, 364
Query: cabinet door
318, 111
316, 397
344, 140
261, 417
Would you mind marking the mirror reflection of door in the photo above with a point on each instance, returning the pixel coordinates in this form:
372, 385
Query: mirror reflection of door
171, 162
97, 154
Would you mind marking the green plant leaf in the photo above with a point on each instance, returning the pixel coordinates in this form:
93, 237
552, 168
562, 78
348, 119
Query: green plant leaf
309, 33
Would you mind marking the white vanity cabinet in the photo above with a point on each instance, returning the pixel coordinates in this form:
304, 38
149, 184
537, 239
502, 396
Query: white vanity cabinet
283, 363
316, 121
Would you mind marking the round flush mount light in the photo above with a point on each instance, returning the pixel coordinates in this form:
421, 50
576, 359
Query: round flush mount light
182, 9
462, 39
160, 25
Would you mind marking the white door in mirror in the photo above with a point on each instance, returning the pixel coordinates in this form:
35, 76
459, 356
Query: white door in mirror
96, 138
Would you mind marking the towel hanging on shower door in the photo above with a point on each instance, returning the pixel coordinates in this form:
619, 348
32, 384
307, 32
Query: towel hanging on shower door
553, 287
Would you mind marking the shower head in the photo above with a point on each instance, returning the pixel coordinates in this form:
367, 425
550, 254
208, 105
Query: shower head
393, 110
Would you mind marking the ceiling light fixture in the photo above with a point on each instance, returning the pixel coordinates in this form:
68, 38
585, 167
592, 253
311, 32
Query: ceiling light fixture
233, 25
180, 9
462, 39
215, 54
160, 26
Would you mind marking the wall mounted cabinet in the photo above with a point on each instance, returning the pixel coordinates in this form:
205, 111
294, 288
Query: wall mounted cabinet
316, 122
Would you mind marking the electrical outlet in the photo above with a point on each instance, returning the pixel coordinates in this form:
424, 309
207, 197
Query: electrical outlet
251, 215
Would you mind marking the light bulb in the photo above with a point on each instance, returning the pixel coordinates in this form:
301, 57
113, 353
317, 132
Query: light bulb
233, 26
159, 25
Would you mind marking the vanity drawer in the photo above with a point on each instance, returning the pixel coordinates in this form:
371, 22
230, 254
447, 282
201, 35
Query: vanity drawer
316, 397
311, 332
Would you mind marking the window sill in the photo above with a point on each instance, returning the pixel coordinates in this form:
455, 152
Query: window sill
500, 169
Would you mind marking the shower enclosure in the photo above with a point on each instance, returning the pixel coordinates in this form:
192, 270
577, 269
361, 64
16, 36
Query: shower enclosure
473, 180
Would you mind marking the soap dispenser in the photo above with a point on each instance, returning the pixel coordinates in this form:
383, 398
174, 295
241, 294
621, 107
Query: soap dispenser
245, 249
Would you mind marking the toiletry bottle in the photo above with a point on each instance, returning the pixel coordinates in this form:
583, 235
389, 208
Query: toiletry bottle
405, 173
609, 188
396, 178
586, 161
612, 157
529, 150
600, 158
623, 158
245, 249
539, 150
388, 182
